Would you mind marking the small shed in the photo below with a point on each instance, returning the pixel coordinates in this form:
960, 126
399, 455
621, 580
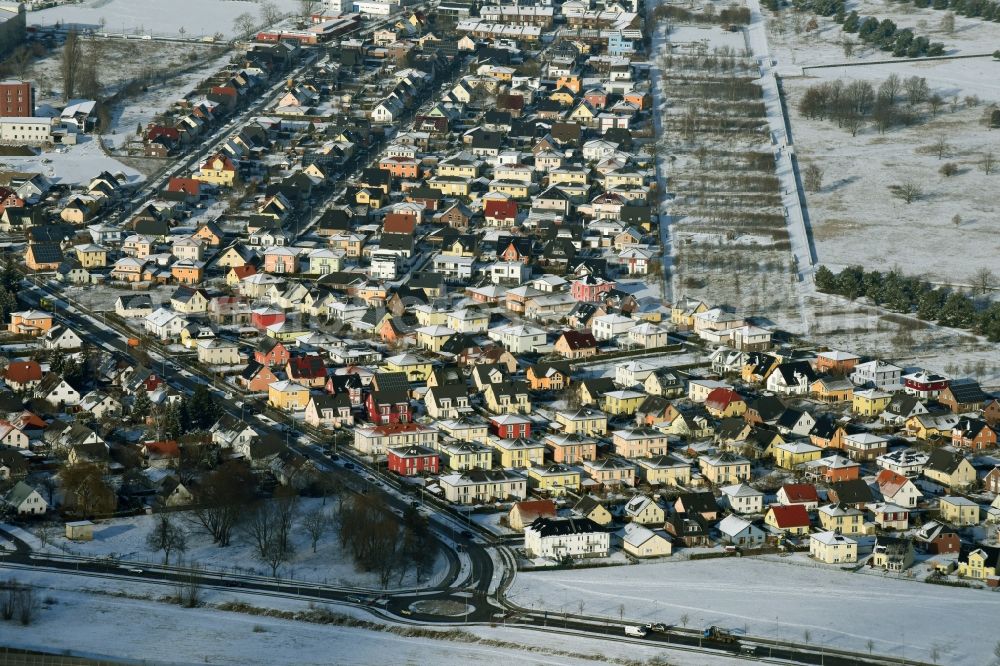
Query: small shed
80, 530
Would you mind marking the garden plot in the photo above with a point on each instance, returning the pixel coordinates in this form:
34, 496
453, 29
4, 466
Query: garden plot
727, 221
157, 18
824, 606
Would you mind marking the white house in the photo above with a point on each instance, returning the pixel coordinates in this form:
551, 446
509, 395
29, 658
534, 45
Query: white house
648, 335
216, 351
634, 373
740, 532
566, 537
833, 548
60, 337
609, 326
25, 500
164, 324
741, 498
475, 486
519, 338
879, 374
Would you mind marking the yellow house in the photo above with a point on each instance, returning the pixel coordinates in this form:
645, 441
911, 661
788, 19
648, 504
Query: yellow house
518, 452
568, 177
218, 170
829, 389
959, 511
623, 402
980, 564
583, 113
91, 256
455, 187
585, 421
428, 315
465, 429
433, 337
950, 469
554, 479
930, 426
415, 368
590, 507
286, 331
611, 471
641, 541
841, 518
287, 396
833, 548
623, 179
792, 519
870, 402
455, 168
683, 311
514, 188
564, 97
507, 398
725, 468
664, 471
790, 455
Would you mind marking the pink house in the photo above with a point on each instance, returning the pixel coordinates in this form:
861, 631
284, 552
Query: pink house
590, 288
281, 260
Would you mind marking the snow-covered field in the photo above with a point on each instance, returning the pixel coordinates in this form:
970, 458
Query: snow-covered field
165, 633
78, 164
855, 220
157, 17
799, 48
125, 539
780, 599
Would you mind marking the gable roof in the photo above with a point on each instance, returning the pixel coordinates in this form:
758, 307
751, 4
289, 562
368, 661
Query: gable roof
792, 515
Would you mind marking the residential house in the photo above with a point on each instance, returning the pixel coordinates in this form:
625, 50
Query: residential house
562, 538
477, 486
833, 548
959, 511
741, 498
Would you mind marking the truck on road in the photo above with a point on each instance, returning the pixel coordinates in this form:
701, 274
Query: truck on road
639, 632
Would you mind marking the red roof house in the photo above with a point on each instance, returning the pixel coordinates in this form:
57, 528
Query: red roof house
500, 213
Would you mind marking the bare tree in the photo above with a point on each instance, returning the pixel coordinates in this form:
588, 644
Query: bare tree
621, 612
269, 13
917, 90
948, 22
72, 58
27, 605
21, 60
167, 536
316, 523
983, 281
956, 220
812, 177
8, 600
275, 553
243, 25
936, 102
685, 619
891, 88
908, 191
848, 45
870, 644
308, 7
988, 163
221, 500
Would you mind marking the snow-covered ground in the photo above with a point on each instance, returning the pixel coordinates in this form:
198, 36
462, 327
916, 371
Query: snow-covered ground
76, 164
125, 538
171, 634
782, 600
799, 48
157, 17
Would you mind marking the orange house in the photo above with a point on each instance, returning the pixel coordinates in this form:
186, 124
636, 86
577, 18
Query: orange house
548, 377
43, 256
571, 81
401, 167
30, 322
209, 233
642, 100
187, 272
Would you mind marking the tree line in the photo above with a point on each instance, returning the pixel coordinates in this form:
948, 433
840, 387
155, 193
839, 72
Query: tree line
984, 9
914, 295
730, 16
853, 104
888, 37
